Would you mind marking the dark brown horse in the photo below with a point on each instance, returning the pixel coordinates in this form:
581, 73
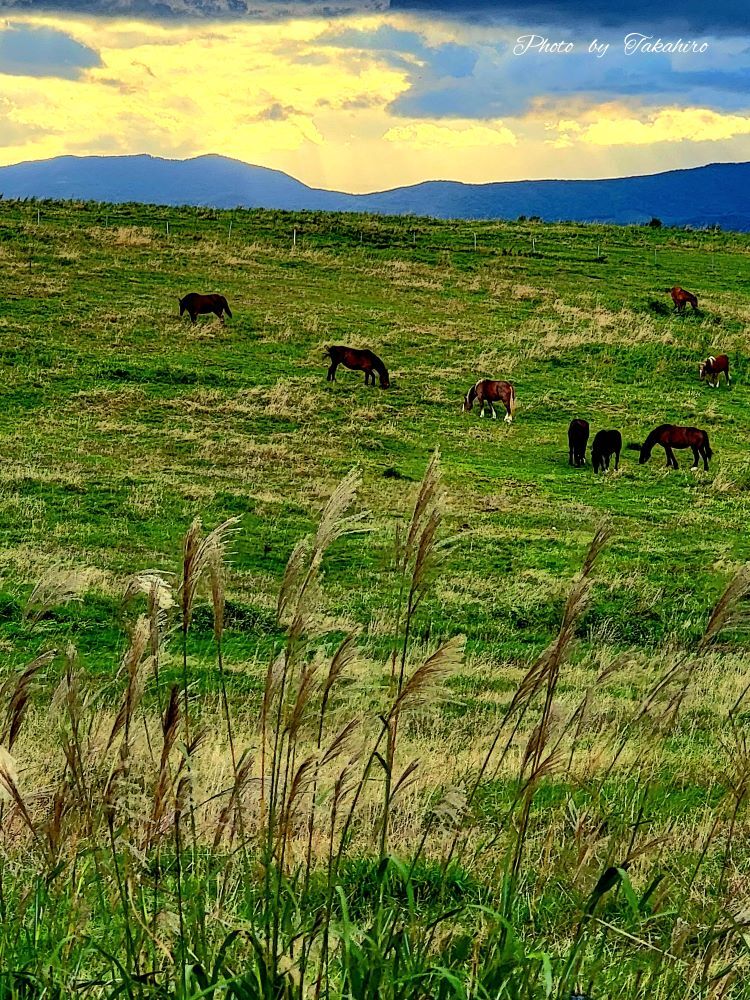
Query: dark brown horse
671, 436
195, 305
714, 367
606, 444
488, 391
578, 438
681, 298
359, 361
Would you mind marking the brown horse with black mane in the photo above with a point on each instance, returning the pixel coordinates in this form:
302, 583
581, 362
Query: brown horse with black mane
681, 298
359, 361
671, 436
196, 305
488, 391
714, 367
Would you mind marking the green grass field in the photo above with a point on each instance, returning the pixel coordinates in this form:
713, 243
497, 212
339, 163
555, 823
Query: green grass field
121, 423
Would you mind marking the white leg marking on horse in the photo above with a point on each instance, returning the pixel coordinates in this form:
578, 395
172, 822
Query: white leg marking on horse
508, 418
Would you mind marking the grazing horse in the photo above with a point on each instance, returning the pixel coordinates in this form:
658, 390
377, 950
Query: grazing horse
714, 367
359, 361
681, 298
578, 438
671, 436
488, 391
606, 444
195, 305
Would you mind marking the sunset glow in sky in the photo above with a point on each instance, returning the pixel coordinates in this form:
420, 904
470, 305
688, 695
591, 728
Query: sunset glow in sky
369, 98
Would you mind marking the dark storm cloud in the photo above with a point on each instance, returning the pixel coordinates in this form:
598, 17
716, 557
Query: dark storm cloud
722, 17
186, 10
30, 51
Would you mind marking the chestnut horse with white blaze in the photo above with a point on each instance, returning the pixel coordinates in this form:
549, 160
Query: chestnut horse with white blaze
488, 391
714, 367
681, 298
671, 436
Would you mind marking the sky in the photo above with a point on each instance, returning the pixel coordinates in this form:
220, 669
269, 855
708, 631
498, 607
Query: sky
362, 95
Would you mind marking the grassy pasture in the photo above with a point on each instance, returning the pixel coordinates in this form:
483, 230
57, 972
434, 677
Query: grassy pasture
121, 423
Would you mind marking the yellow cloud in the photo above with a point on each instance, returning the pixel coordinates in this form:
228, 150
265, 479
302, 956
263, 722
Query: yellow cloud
428, 135
249, 91
666, 125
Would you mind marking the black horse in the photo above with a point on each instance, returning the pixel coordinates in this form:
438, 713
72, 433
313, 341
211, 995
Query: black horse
578, 438
606, 444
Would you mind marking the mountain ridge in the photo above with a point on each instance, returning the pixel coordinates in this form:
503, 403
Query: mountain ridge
714, 194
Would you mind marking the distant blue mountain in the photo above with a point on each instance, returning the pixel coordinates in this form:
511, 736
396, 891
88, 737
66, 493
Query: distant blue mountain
717, 194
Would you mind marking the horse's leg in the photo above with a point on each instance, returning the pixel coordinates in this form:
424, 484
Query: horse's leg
617, 461
481, 408
694, 449
492, 411
671, 460
193, 318
508, 418
219, 312
331, 377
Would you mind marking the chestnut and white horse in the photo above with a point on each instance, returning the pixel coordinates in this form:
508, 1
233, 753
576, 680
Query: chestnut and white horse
488, 391
714, 367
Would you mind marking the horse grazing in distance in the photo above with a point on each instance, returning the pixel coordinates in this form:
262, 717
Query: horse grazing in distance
671, 436
714, 367
359, 361
578, 438
195, 305
488, 391
681, 298
606, 444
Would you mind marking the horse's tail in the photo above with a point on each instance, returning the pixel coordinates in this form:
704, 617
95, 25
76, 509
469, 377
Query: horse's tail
227, 310
709, 452
512, 401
